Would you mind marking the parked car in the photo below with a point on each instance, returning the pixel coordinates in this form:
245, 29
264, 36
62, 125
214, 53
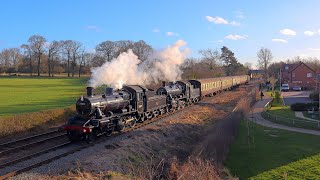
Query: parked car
296, 88
285, 87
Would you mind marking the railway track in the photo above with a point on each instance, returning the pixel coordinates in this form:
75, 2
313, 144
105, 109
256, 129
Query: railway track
72, 150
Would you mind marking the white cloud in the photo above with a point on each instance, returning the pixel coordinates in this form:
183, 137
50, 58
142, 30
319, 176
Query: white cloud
239, 14
280, 40
95, 28
309, 33
235, 37
156, 30
220, 41
220, 20
216, 20
172, 34
234, 23
314, 49
288, 32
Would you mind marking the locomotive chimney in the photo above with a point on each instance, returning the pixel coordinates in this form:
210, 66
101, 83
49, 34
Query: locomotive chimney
90, 91
109, 91
163, 83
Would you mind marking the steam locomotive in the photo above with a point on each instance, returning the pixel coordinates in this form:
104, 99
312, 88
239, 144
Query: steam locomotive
115, 110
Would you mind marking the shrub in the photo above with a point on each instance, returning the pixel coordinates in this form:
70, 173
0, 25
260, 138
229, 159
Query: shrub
303, 106
277, 96
314, 96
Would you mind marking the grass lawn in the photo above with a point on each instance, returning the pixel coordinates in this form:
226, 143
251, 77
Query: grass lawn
274, 154
286, 116
30, 94
279, 110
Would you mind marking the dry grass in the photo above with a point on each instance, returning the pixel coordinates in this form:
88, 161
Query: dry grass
194, 168
34, 122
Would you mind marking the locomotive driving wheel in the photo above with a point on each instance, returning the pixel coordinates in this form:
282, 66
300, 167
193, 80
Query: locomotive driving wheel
120, 126
132, 122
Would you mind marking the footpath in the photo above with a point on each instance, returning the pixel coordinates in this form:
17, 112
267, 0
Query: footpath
257, 118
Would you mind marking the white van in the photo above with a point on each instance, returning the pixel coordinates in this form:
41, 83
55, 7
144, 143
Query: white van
285, 87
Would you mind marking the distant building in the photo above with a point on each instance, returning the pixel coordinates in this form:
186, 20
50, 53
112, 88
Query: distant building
298, 74
256, 74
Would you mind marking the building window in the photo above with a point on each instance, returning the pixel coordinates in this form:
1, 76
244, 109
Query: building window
309, 74
293, 74
286, 67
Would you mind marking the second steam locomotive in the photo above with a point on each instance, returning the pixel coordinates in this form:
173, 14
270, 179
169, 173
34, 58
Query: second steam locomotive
115, 110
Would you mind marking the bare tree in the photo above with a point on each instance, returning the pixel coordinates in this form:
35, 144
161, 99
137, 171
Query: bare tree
15, 58
28, 53
264, 59
5, 59
123, 46
248, 65
211, 57
106, 50
76, 49
10, 59
142, 50
37, 44
67, 47
53, 50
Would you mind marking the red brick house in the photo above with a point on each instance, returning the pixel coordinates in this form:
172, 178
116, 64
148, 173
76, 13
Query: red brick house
298, 74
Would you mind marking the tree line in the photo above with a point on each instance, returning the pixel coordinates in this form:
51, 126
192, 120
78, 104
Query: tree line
38, 56
214, 63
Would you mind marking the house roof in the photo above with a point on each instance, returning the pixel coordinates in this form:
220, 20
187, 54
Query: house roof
290, 66
301, 63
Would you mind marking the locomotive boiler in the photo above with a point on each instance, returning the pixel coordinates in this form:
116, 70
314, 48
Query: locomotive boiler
109, 103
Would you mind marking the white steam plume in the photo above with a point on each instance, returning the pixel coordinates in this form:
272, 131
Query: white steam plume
128, 69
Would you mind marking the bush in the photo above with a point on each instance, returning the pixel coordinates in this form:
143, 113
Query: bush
277, 96
314, 96
303, 106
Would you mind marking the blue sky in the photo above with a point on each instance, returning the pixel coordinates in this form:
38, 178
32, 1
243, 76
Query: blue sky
288, 28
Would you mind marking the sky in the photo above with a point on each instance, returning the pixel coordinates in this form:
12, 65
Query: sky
288, 28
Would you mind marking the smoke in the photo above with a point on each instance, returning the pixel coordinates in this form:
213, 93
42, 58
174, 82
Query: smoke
128, 69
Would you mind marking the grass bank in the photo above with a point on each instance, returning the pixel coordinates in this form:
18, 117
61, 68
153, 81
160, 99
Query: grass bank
32, 123
30, 94
284, 115
273, 154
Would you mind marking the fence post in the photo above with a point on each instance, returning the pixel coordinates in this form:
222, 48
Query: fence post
293, 121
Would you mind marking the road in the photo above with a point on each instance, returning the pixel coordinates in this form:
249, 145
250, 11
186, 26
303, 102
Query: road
296, 96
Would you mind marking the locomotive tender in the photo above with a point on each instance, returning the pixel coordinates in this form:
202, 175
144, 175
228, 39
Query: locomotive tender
115, 110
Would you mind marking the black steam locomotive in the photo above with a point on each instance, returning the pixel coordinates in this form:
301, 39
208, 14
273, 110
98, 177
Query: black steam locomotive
115, 110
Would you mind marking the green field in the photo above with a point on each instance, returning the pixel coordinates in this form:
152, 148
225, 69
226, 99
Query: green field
29, 94
274, 154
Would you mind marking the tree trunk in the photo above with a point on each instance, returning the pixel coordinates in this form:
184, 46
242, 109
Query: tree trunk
30, 66
39, 59
68, 66
52, 67
73, 64
80, 69
49, 64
